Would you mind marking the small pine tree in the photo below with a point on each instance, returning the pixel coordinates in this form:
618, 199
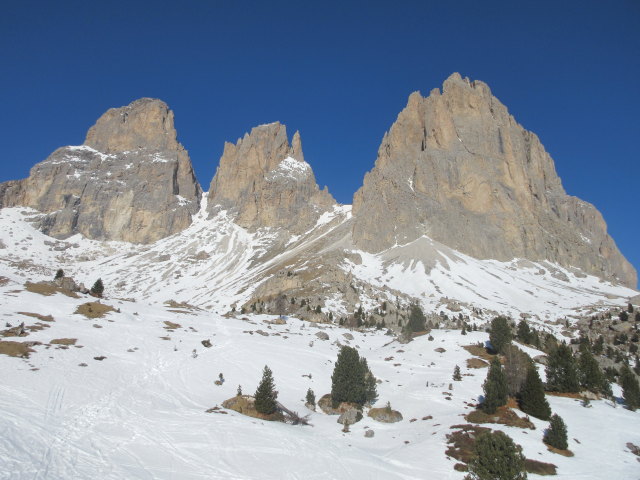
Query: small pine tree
556, 434
457, 376
239, 392
265, 396
524, 332
590, 376
623, 316
311, 397
464, 329
496, 457
352, 381
630, 388
59, 274
531, 398
495, 388
562, 374
98, 288
500, 334
417, 320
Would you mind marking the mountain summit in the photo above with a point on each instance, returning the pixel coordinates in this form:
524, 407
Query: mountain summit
458, 168
130, 181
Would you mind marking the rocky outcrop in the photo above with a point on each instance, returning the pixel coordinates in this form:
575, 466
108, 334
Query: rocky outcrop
458, 168
264, 182
130, 181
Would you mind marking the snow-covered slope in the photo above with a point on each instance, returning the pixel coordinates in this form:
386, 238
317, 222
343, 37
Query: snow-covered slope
215, 264
140, 411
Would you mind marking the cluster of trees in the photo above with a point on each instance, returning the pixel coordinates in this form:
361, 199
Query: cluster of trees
352, 381
96, 290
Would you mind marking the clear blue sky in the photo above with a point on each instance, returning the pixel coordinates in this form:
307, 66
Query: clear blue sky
337, 71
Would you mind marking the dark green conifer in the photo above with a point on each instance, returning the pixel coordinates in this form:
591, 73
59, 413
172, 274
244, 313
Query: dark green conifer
265, 396
500, 334
59, 274
417, 320
590, 375
457, 376
495, 388
531, 398
496, 457
352, 381
311, 397
630, 388
556, 434
562, 374
524, 332
98, 288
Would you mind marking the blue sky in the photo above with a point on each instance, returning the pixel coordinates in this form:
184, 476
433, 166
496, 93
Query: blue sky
339, 72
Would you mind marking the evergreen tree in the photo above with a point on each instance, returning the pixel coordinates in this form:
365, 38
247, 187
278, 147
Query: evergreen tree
457, 376
590, 376
496, 457
562, 374
500, 334
556, 434
239, 391
495, 388
464, 329
370, 386
59, 274
524, 332
516, 365
311, 397
630, 388
266, 394
531, 398
352, 381
417, 320
98, 288
623, 316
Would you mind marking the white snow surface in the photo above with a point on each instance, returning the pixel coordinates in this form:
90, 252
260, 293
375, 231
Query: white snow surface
290, 168
140, 412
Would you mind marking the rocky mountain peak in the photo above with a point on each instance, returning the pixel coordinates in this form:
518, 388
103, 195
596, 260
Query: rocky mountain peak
458, 168
146, 123
130, 181
265, 182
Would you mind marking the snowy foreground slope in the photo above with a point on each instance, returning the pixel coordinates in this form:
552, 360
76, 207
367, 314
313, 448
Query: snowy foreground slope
140, 412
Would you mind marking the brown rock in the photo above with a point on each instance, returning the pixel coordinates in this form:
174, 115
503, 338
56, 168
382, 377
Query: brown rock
458, 168
130, 181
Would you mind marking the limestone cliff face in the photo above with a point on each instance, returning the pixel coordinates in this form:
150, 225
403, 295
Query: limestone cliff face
457, 167
130, 181
265, 182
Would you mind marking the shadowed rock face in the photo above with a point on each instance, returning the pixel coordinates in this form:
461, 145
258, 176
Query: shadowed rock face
265, 182
457, 167
130, 181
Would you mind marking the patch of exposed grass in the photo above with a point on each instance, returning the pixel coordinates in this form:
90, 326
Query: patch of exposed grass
477, 351
48, 288
564, 453
63, 341
171, 326
476, 363
16, 349
46, 318
94, 309
539, 468
502, 416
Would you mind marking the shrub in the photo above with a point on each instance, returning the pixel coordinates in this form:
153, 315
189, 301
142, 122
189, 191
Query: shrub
456, 374
59, 274
266, 394
556, 434
496, 457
